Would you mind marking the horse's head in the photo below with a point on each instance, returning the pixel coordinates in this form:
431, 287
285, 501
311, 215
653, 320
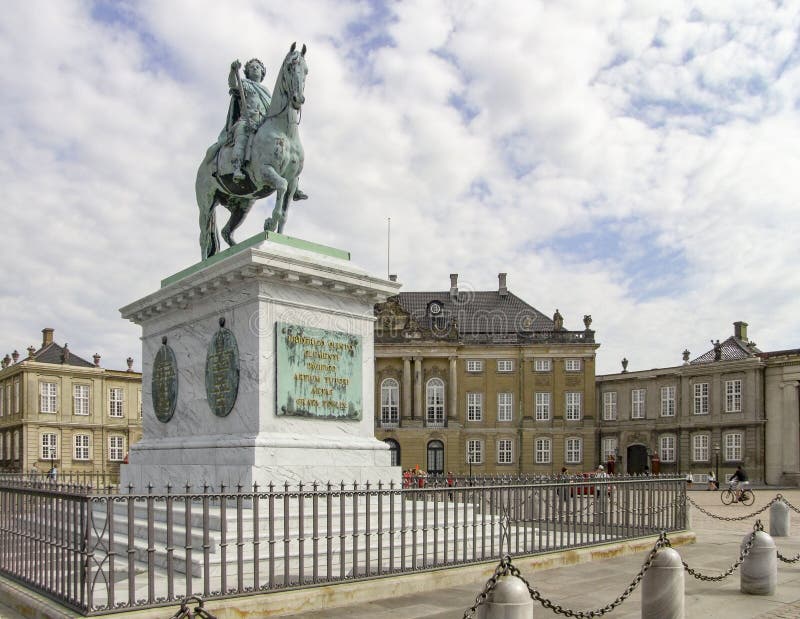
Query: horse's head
293, 76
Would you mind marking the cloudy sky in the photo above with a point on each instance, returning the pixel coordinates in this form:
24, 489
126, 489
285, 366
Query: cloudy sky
636, 161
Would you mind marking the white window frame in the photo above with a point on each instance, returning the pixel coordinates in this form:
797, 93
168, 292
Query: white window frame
116, 404
542, 404
474, 406
700, 448
48, 446
668, 401
80, 402
82, 447
390, 403
116, 448
48, 397
434, 403
505, 406
572, 409
505, 451
543, 450
474, 451
700, 406
609, 406
505, 366
638, 403
474, 365
572, 365
733, 396
542, 365
734, 442
610, 445
666, 447
573, 450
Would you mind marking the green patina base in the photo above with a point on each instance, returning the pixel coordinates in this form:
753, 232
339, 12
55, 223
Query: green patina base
257, 239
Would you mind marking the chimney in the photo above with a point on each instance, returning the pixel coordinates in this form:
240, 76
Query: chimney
740, 330
502, 290
47, 336
393, 277
453, 286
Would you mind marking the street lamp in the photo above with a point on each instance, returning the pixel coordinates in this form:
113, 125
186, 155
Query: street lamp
716, 457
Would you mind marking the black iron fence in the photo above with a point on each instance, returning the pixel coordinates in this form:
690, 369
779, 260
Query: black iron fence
98, 552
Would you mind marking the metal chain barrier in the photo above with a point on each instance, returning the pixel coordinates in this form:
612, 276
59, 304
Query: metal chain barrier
184, 612
736, 518
506, 568
744, 552
787, 559
786, 502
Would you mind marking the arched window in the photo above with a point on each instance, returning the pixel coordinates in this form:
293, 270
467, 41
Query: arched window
394, 451
390, 402
435, 458
435, 402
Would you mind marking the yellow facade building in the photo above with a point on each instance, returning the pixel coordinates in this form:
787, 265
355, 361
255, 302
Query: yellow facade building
57, 409
480, 382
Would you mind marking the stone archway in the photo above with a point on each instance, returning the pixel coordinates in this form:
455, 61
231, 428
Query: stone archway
637, 459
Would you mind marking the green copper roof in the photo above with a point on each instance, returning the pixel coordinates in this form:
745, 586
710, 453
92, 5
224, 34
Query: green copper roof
272, 237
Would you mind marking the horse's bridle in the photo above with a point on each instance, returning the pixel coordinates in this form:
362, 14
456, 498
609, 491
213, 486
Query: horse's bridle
285, 91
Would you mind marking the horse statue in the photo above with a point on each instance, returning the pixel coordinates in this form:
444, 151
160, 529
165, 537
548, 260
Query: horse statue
274, 165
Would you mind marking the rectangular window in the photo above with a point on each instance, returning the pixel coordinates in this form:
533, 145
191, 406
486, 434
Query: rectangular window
8, 398
667, 448
572, 365
572, 451
15, 444
2, 403
115, 402
637, 403
700, 448
668, 401
16, 397
80, 399
505, 365
390, 405
47, 397
505, 406
474, 365
2, 447
610, 406
544, 451
49, 446
116, 448
701, 399
609, 448
474, 451
733, 447
733, 396
542, 365
474, 406
504, 451
542, 406
573, 412
81, 447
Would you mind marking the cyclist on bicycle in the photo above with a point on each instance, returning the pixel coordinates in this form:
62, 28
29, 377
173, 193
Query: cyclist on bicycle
739, 482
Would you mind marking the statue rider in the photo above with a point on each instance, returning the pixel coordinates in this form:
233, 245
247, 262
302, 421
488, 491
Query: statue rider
244, 120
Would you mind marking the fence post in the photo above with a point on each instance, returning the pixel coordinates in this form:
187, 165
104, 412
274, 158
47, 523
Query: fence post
779, 522
510, 599
663, 587
759, 570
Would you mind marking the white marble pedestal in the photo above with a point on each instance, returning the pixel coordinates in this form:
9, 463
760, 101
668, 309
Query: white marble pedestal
265, 280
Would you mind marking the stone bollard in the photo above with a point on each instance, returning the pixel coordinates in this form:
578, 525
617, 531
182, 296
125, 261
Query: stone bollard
759, 570
663, 587
510, 599
779, 522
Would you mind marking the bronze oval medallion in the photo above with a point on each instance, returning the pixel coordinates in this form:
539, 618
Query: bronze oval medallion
222, 371
164, 384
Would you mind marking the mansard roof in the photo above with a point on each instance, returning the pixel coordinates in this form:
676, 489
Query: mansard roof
53, 353
732, 349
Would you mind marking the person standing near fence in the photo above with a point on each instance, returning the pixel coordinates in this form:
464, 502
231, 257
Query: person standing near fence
34, 474
712, 481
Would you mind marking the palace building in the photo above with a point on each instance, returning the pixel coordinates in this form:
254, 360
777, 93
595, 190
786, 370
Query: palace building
481, 382
58, 409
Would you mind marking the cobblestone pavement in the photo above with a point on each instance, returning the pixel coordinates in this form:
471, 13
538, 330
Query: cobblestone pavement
592, 585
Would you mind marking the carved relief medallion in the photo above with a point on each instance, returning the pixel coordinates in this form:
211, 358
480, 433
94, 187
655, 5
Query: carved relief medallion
222, 371
164, 385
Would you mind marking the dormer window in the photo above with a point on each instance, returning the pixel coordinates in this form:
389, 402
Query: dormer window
435, 308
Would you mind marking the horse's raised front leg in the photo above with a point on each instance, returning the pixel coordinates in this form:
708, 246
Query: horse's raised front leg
273, 179
239, 207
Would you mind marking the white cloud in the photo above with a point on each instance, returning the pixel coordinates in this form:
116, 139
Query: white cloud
485, 131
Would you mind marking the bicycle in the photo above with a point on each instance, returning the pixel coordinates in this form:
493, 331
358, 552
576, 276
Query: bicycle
746, 496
